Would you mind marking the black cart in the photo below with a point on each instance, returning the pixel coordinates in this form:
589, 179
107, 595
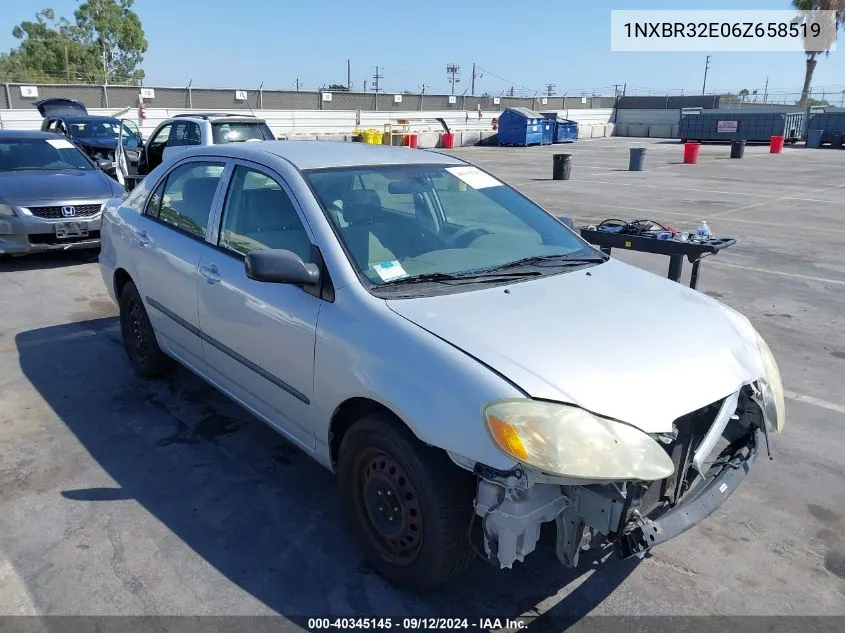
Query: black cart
675, 249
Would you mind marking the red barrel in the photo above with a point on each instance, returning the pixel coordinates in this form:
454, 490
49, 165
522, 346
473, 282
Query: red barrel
413, 140
776, 146
447, 140
691, 151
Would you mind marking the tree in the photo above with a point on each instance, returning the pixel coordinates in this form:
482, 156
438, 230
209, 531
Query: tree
742, 94
105, 43
337, 88
806, 9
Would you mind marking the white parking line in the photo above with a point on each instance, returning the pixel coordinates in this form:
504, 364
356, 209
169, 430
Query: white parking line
818, 402
824, 280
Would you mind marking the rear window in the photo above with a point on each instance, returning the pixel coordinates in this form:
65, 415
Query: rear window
235, 132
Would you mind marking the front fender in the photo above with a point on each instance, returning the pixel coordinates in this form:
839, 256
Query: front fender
364, 349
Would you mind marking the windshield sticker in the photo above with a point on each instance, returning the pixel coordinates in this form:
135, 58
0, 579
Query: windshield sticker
474, 177
60, 143
388, 271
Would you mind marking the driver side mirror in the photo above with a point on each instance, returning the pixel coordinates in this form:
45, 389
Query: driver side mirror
281, 267
106, 165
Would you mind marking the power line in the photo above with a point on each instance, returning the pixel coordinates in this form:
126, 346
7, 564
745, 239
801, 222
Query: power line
452, 70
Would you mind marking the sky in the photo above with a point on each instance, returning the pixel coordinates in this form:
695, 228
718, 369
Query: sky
527, 45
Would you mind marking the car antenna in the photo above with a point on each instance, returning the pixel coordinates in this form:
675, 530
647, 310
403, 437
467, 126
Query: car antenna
246, 101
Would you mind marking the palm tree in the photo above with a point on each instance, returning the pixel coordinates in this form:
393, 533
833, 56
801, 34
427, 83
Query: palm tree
742, 94
806, 8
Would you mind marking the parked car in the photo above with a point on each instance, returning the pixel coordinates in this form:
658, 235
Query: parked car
455, 353
96, 135
51, 194
177, 134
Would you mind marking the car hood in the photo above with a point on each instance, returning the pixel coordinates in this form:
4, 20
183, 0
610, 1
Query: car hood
59, 106
96, 143
612, 339
24, 188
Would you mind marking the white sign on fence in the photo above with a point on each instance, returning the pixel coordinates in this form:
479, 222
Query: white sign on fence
327, 96
496, 101
583, 99
453, 99
29, 91
544, 101
397, 98
726, 127
148, 93
240, 95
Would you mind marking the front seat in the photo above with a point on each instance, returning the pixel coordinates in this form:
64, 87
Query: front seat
197, 196
363, 212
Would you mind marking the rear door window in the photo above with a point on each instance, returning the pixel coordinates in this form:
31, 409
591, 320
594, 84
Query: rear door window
187, 196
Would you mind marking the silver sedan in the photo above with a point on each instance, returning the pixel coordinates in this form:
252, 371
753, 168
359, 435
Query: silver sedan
51, 194
467, 364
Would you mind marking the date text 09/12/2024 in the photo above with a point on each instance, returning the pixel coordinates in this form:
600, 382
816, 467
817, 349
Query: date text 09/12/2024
416, 624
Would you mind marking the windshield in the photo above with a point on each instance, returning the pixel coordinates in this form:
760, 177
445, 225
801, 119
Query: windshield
40, 153
405, 221
236, 131
94, 129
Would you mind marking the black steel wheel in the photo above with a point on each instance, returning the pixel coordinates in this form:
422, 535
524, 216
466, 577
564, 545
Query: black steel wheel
139, 339
408, 502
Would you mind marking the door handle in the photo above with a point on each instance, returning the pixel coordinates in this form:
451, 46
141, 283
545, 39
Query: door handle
143, 239
211, 274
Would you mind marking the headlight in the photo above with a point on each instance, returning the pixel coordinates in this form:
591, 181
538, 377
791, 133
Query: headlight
6, 210
771, 388
570, 442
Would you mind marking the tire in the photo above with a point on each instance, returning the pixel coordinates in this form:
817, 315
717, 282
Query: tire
139, 339
431, 505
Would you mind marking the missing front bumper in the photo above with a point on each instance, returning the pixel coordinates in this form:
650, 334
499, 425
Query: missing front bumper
694, 507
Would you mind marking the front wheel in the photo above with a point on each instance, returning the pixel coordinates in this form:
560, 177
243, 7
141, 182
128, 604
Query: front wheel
409, 503
138, 336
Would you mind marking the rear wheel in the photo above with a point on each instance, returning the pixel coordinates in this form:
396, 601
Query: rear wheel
409, 503
138, 336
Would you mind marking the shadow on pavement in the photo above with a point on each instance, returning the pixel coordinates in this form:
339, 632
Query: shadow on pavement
259, 511
47, 260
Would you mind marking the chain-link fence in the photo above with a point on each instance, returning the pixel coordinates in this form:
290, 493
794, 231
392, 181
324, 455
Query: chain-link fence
22, 96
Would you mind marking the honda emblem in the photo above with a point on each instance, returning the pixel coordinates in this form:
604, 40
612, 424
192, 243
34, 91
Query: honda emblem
68, 212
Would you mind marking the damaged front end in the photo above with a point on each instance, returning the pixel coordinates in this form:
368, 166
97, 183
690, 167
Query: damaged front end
710, 449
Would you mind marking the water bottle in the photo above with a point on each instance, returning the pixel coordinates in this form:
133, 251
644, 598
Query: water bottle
703, 232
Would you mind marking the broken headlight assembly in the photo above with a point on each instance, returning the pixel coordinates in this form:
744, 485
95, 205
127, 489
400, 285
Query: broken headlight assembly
771, 389
567, 441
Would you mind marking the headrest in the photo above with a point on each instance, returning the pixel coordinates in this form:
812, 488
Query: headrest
271, 208
361, 205
200, 191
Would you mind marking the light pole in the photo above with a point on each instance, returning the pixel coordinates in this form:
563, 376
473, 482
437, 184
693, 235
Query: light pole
706, 68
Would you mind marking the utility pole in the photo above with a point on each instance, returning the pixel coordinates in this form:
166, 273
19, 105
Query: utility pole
550, 89
842, 100
706, 68
348, 75
472, 91
365, 85
766, 90
376, 78
297, 84
452, 70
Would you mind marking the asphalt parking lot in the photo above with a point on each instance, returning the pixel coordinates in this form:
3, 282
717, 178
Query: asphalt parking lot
119, 496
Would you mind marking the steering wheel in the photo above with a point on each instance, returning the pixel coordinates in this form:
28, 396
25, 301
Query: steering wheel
457, 236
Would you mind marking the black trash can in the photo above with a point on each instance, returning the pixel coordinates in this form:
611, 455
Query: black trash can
737, 149
561, 166
636, 161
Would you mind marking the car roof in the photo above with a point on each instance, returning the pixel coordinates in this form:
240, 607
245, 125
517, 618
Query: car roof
26, 135
74, 118
327, 154
216, 118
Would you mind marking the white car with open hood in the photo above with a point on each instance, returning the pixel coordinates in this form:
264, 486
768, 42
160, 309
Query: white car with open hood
456, 354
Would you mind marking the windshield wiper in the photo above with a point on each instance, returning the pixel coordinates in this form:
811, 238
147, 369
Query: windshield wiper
559, 260
484, 276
